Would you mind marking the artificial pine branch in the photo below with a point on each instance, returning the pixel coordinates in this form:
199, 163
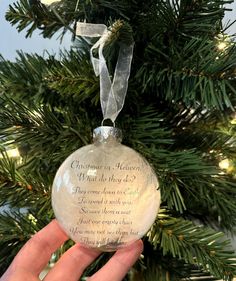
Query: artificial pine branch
25, 78
194, 244
180, 82
72, 79
157, 267
195, 71
178, 171
36, 79
20, 189
40, 127
189, 176
34, 15
16, 229
61, 15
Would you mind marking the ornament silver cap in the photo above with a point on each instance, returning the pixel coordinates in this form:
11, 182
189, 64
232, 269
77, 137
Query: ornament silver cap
106, 133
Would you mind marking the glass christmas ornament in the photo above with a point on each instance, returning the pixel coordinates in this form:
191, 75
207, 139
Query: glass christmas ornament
105, 195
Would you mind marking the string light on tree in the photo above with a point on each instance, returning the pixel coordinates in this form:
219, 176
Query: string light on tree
12, 153
223, 42
233, 120
221, 46
224, 164
227, 165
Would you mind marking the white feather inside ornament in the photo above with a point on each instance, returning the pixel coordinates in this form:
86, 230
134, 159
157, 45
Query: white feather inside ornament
105, 195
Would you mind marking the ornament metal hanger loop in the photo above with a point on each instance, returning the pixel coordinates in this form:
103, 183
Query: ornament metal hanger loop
113, 122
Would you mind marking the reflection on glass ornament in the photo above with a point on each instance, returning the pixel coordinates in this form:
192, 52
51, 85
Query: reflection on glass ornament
105, 195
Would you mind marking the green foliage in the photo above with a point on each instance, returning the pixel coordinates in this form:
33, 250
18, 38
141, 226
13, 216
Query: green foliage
33, 15
194, 245
178, 114
15, 229
167, 268
36, 80
36, 129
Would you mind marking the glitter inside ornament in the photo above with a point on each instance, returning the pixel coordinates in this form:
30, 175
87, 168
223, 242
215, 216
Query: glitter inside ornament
105, 195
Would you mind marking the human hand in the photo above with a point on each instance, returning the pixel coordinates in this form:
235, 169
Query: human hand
36, 253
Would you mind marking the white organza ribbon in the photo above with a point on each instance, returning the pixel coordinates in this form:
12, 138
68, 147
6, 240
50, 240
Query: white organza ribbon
112, 93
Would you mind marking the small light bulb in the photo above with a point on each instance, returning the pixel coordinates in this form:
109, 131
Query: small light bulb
224, 164
221, 46
233, 121
32, 219
13, 153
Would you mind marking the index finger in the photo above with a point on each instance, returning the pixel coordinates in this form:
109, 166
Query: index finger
36, 253
117, 267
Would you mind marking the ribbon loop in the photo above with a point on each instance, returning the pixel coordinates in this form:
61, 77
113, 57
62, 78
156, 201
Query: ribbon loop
112, 93
90, 29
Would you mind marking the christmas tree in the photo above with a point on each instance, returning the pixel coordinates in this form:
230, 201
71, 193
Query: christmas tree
179, 113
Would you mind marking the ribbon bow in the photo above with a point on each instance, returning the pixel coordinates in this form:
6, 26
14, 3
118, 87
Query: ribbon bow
112, 93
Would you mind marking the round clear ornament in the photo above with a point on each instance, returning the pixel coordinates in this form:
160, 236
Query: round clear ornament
105, 195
